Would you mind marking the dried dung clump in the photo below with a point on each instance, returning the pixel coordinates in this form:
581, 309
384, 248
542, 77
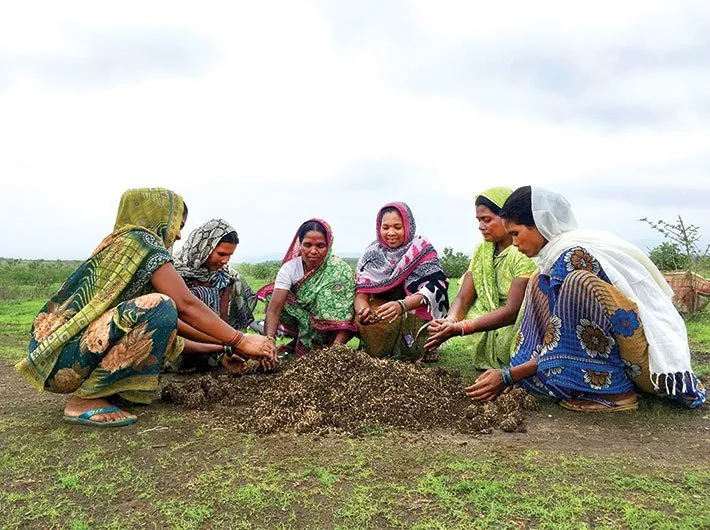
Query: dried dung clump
337, 389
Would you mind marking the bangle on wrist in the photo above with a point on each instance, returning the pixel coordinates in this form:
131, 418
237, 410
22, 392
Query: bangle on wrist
468, 326
506, 376
403, 305
238, 337
463, 329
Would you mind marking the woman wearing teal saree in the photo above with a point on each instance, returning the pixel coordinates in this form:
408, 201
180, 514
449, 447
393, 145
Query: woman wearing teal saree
492, 292
115, 321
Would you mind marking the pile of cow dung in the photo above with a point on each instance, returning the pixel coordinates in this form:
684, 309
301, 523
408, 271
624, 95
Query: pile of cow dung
338, 389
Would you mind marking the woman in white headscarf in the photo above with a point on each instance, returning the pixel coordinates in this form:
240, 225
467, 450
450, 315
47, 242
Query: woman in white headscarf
598, 316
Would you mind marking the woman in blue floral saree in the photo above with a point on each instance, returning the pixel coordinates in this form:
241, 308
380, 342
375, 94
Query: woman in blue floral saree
598, 319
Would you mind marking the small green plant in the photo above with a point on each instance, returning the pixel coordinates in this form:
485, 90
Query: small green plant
684, 238
668, 257
453, 263
682, 246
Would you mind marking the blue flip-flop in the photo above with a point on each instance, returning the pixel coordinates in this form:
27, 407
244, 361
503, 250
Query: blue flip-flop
83, 419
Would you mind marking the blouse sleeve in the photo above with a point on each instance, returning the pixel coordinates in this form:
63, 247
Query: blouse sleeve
283, 278
289, 274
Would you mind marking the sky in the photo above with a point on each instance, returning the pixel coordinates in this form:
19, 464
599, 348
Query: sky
269, 113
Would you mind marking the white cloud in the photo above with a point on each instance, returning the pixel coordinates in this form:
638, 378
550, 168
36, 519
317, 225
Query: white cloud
267, 113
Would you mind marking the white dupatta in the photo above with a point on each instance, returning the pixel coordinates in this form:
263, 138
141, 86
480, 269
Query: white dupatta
630, 271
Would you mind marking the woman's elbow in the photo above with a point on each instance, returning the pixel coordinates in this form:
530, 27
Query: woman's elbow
186, 304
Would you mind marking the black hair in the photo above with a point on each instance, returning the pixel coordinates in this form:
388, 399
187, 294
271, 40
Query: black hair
184, 209
389, 209
231, 237
518, 207
310, 226
485, 201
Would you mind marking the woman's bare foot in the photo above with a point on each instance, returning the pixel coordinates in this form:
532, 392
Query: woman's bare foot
432, 357
77, 406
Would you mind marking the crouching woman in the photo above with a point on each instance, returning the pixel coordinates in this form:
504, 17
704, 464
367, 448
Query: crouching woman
111, 326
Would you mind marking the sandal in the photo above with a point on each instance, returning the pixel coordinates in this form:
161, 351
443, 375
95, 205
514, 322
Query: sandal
83, 418
590, 403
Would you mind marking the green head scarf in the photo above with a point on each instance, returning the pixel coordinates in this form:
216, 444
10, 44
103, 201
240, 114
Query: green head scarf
484, 275
497, 196
147, 224
157, 209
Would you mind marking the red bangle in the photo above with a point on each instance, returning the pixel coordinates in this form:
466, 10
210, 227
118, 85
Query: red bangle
236, 340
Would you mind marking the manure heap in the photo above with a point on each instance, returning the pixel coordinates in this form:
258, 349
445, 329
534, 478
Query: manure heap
341, 390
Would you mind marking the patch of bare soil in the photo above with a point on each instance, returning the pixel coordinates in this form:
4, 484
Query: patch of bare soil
338, 389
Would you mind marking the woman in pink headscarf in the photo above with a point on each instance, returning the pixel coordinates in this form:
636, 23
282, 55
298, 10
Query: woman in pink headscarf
400, 286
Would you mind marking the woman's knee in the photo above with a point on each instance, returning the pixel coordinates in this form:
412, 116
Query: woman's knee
160, 309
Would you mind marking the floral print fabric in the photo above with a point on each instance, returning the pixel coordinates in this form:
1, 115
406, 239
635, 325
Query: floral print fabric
120, 269
120, 353
585, 334
321, 302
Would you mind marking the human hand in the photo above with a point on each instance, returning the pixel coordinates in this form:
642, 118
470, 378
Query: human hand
257, 346
364, 316
435, 324
444, 331
487, 386
389, 311
269, 363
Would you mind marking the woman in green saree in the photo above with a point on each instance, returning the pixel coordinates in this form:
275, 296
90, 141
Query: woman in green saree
116, 319
311, 299
489, 300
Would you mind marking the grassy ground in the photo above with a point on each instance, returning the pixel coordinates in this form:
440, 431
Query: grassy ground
190, 469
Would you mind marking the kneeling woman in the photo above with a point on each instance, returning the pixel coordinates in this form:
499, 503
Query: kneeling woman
203, 262
400, 287
492, 290
114, 322
598, 316
312, 297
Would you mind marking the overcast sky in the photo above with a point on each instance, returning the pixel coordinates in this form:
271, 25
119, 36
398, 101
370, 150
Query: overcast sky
269, 113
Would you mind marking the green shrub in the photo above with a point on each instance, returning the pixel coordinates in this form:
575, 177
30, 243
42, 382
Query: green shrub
266, 270
668, 257
454, 264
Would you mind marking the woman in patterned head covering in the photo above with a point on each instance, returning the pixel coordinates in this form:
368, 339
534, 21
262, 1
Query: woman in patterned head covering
492, 291
115, 320
400, 286
203, 262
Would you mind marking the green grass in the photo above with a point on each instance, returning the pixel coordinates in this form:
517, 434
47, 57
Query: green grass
699, 330
375, 482
197, 472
